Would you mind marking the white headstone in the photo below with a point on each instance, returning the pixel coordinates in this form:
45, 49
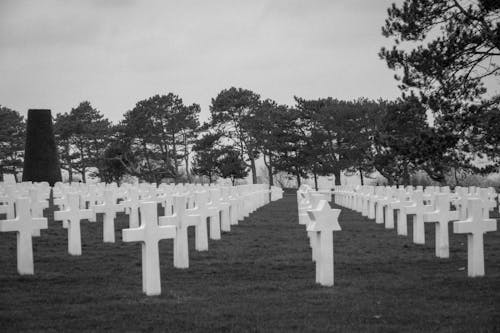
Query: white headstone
181, 221
149, 233
73, 216
225, 207
23, 225
200, 212
131, 205
441, 216
37, 205
213, 212
109, 207
324, 222
475, 226
9, 178
417, 209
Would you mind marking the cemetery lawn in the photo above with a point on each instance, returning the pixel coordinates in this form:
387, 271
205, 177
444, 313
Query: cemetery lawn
259, 277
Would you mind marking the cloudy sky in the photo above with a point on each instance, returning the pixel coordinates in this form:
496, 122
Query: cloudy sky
113, 53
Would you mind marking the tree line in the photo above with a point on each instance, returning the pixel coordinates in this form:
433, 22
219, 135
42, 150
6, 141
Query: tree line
162, 138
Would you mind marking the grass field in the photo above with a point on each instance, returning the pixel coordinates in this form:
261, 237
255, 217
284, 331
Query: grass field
259, 277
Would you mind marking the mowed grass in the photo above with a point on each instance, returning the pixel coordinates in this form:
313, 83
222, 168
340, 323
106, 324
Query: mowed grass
259, 277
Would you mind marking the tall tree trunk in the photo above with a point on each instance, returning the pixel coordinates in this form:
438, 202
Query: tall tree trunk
186, 160
186, 157
84, 179
270, 172
269, 165
70, 173
336, 174
253, 168
315, 180
361, 176
174, 158
298, 178
406, 175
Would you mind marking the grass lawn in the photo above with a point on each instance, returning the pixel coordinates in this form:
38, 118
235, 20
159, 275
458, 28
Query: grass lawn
259, 277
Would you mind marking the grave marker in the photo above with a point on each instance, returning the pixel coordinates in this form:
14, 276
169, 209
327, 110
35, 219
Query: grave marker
475, 226
109, 207
149, 234
441, 216
324, 222
417, 209
73, 215
131, 205
23, 225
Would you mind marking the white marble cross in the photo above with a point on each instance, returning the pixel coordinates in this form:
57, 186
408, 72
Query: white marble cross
199, 212
324, 222
131, 205
90, 196
417, 209
225, 206
441, 216
381, 202
8, 202
23, 225
73, 216
314, 199
37, 205
181, 221
475, 226
390, 207
236, 206
460, 201
149, 233
398, 206
303, 204
213, 212
109, 207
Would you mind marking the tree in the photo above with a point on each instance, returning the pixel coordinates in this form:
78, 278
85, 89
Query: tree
111, 165
207, 153
292, 156
157, 128
63, 130
405, 143
445, 50
231, 165
333, 134
188, 135
12, 136
83, 135
120, 159
366, 126
232, 114
269, 130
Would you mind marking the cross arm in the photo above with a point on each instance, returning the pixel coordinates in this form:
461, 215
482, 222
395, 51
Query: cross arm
9, 225
133, 235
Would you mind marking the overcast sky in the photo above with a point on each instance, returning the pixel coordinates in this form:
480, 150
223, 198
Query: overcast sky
113, 53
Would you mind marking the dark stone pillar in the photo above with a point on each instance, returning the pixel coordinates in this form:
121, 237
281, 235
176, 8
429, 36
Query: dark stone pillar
41, 162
